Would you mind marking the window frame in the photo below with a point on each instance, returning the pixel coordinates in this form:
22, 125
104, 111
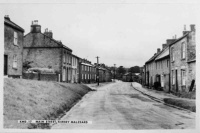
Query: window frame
172, 52
15, 41
183, 76
14, 65
183, 50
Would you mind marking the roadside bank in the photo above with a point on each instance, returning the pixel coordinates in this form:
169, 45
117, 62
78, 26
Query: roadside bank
38, 100
188, 104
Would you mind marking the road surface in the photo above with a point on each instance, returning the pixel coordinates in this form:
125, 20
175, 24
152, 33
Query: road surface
119, 106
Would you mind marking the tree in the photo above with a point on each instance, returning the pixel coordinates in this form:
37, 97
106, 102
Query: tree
135, 69
121, 71
27, 65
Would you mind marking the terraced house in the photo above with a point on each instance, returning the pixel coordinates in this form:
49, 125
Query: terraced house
183, 62
13, 48
87, 71
162, 66
45, 52
150, 72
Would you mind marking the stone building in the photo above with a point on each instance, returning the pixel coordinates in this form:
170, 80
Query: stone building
75, 69
102, 73
87, 71
183, 62
45, 52
13, 47
150, 70
162, 69
108, 75
157, 67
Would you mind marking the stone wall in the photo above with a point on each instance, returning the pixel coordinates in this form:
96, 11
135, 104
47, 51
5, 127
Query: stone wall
40, 76
44, 57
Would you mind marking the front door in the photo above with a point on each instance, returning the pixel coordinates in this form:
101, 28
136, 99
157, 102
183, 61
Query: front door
176, 80
64, 75
5, 64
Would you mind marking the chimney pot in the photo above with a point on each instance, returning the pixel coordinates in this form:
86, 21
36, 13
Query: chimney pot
192, 27
184, 27
158, 50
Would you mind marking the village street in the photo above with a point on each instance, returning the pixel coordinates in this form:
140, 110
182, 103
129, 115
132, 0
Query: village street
118, 106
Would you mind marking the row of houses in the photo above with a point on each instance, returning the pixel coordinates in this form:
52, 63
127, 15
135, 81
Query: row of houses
43, 51
174, 67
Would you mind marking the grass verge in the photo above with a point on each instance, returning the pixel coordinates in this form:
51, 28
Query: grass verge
183, 103
38, 100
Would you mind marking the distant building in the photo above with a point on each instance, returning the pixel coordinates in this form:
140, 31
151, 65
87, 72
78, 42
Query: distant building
142, 73
87, 71
183, 62
13, 47
46, 52
108, 75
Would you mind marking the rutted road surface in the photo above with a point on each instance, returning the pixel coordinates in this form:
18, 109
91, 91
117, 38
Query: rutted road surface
119, 106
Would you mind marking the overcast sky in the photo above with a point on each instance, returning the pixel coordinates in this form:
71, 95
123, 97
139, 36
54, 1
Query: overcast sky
122, 34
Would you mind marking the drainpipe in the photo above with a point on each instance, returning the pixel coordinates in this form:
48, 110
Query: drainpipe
169, 70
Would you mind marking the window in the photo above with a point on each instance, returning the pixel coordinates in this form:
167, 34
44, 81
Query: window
167, 63
172, 52
64, 57
15, 38
85, 76
88, 76
162, 80
15, 61
183, 50
82, 76
183, 77
173, 77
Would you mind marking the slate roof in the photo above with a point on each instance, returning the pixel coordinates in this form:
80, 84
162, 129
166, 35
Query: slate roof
180, 38
60, 43
8, 22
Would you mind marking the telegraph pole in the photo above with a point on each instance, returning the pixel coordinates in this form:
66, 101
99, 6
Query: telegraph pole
98, 70
114, 71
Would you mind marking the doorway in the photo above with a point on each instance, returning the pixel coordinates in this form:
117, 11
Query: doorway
5, 64
176, 80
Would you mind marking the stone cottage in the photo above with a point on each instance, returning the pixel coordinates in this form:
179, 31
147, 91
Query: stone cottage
13, 47
183, 62
45, 52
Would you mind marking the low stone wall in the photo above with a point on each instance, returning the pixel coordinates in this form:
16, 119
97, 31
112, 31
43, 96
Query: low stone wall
40, 76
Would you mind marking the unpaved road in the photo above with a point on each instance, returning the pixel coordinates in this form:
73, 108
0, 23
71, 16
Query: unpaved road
119, 106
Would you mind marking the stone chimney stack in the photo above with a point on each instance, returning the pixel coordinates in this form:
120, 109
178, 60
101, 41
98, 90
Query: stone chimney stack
158, 50
7, 17
48, 33
192, 27
164, 46
35, 28
169, 41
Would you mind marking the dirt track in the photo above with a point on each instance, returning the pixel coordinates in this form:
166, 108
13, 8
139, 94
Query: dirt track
119, 106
